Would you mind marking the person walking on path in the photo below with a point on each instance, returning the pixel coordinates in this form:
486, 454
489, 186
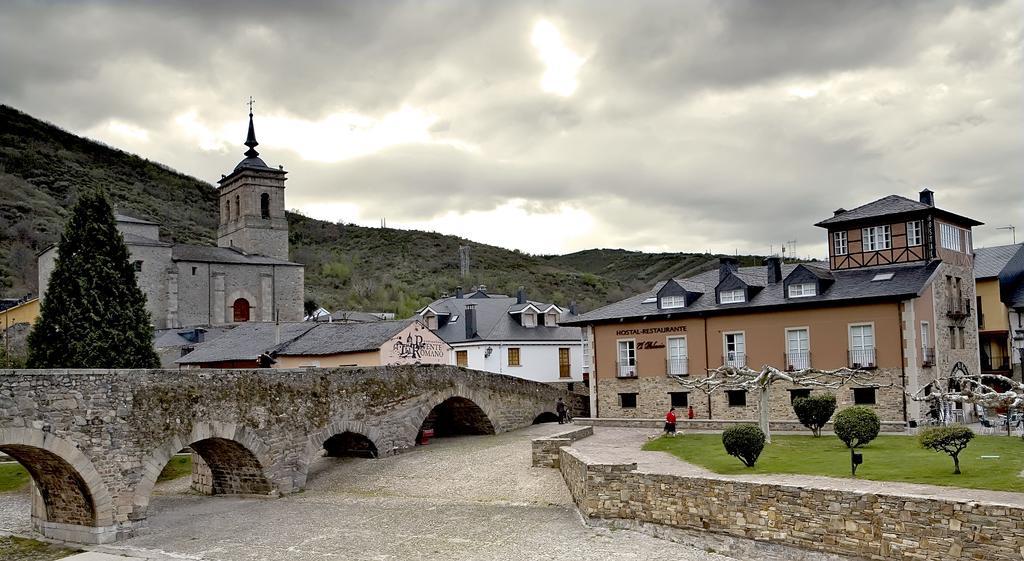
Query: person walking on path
670, 422
562, 411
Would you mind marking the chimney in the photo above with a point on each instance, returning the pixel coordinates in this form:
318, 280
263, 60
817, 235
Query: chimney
838, 211
572, 308
521, 296
774, 269
727, 265
470, 321
927, 197
482, 288
458, 292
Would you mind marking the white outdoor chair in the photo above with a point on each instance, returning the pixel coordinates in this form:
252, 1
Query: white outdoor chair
987, 427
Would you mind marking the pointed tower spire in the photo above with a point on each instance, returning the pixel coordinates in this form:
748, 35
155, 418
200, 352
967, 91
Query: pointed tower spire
250, 140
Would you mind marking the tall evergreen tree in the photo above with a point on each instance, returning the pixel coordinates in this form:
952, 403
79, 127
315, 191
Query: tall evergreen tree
93, 314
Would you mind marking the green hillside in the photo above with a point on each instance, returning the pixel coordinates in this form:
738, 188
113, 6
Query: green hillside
43, 168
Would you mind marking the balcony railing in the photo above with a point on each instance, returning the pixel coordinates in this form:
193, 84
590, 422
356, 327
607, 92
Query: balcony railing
862, 358
959, 307
627, 370
928, 356
995, 364
798, 360
735, 359
677, 366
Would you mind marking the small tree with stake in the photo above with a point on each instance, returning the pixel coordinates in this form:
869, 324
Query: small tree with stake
951, 440
815, 411
856, 426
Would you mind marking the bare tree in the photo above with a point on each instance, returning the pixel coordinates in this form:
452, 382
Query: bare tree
976, 389
729, 377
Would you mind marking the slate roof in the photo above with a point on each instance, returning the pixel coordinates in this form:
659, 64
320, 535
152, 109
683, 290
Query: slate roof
337, 338
211, 254
891, 205
990, 261
249, 340
177, 337
245, 342
133, 220
849, 286
350, 316
495, 323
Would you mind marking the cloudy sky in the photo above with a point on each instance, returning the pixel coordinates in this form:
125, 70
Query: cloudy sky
555, 126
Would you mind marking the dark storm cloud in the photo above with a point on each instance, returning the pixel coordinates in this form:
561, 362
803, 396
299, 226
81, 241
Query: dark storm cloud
695, 125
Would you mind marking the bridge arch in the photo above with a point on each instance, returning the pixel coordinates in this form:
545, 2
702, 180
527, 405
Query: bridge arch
71, 492
456, 412
546, 417
236, 457
351, 427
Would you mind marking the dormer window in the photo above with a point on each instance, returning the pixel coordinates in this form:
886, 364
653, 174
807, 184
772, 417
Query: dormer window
673, 301
431, 322
877, 238
734, 296
803, 289
551, 319
529, 319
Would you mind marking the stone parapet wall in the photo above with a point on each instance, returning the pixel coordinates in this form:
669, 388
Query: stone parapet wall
874, 526
653, 398
717, 424
545, 449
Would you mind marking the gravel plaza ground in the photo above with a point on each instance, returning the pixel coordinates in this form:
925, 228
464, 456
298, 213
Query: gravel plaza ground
460, 498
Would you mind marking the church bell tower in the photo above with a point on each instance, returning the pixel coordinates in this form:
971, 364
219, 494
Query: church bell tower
251, 200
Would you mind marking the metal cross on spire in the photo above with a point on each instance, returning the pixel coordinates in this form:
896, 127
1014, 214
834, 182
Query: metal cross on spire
250, 103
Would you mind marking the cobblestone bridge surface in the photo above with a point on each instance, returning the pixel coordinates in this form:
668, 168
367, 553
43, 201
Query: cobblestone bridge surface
464, 498
95, 441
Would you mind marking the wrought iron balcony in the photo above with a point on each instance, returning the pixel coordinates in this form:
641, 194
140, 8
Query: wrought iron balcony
862, 358
734, 359
928, 356
677, 366
959, 307
798, 360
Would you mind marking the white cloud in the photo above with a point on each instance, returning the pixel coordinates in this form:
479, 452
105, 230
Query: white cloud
561, 63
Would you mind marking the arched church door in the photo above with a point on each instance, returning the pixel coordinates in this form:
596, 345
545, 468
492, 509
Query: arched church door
241, 310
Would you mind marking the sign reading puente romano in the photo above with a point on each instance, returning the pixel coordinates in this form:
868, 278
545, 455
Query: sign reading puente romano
95, 441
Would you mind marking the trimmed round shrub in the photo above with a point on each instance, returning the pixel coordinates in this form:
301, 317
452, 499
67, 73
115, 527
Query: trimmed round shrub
815, 411
745, 442
856, 426
951, 440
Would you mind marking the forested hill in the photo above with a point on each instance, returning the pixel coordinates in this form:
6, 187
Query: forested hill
43, 168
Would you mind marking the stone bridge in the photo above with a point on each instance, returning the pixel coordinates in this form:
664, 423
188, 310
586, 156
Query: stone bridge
94, 441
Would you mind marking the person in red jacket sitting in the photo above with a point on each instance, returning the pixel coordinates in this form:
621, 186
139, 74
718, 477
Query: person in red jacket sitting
689, 413
670, 422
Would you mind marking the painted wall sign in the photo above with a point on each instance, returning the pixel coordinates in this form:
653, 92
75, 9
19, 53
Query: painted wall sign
651, 330
414, 347
650, 345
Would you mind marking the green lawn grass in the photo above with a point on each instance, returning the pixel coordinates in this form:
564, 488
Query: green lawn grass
179, 466
12, 477
22, 549
887, 458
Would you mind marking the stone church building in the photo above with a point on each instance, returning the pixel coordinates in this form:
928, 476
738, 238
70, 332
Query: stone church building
246, 277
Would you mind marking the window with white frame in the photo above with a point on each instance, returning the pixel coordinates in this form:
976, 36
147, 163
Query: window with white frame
950, 237
735, 349
926, 335
798, 349
876, 238
675, 351
673, 301
802, 289
627, 358
862, 345
585, 363
732, 296
839, 243
915, 233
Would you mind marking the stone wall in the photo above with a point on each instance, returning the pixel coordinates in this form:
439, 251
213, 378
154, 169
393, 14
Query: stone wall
840, 522
717, 424
654, 399
545, 449
99, 438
